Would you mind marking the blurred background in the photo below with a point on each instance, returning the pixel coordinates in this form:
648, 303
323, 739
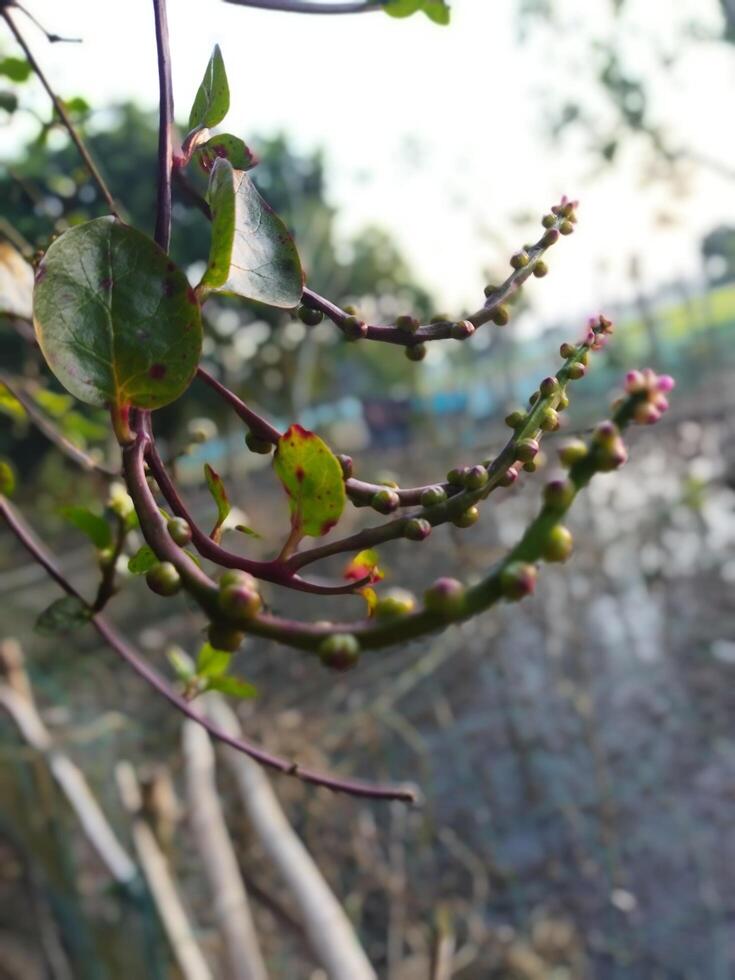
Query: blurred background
576, 753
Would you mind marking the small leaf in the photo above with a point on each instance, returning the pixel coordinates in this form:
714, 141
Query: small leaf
436, 10
252, 253
63, 616
9, 404
217, 489
244, 529
117, 321
95, 527
8, 102
234, 686
16, 282
213, 97
363, 564
312, 477
402, 8
142, 561
7, 479
53, 402
16, 69
180, 664
212, 662
225, 147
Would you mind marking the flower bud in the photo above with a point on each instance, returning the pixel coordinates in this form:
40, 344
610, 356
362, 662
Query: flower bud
180, 531
120, 502
517, 580
258, 445
559, 544
548, 220
163, 579
563, 402
462, 329
526, 450
407, 323
509, 477
550, 238
572, 451
530, 466
341, 651
576, 371
395, 603
354, 328
566, 350
224, 637
433, 496
417, 529
540, 269
467, 518
549, 420
446, 597
605, 433
310, 317
566, 227
236, 577
475, 478
516, 418
559, 493
500, 316
240, 601
417, 352
385, 501
519, 260
549, 386
456, 476
611, 455
489, 290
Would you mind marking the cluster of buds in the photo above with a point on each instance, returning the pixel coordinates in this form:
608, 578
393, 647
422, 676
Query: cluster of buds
567, 211
599, 330
650, 390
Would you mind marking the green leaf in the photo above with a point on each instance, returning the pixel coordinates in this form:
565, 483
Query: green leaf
142, 561
95, 527
252, 253
213, 98
312, 477
56, 404
436, 10
219, 494
234, 686
16, 69
117, 321
212, 662
63, 616
225, 147
8, 101
244, 529
180, 664
7, 479
16, 282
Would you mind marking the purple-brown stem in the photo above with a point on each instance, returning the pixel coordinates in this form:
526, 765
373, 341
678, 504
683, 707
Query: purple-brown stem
312, 6
162, 233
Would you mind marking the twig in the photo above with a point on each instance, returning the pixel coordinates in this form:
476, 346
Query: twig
329, 930
312, 6
168, 903
17, 699
63, 114
154, 680
165, 127
230, 905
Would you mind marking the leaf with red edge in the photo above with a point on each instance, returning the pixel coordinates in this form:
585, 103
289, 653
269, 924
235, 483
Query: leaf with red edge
364, 565
312, 477
227, 147
219, 494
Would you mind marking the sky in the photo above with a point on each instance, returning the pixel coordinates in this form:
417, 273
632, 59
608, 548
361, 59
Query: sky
438, 134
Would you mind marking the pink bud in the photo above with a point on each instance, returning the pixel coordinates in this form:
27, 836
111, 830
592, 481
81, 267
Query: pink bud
665, 383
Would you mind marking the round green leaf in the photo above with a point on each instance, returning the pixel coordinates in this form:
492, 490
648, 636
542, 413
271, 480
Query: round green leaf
252, 254
312, 477
116, 320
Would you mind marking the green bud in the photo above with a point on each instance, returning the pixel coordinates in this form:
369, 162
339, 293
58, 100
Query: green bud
180, 531
408, 323
533, 398
559, 493
548, 220
236, 577
240, 601
341, 651
467, 518
163, 579
310, 317
566, 350
572, 452
354, 328
456, 476
433, 496
257, 445
501, 316
550, 238
540, 269
519, 260
549, 420
441, 318
559, 544
576, 371
530, 466
516, 418
489, 290
446, 597
395, 603
527, 450
517, 580
563, 402
224, 637
416, 352
385, 501
549, 386
475, 478
566, 227
462, 329
417, 529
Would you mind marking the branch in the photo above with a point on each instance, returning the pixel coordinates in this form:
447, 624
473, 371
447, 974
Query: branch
126, 652
48, 429
63, 114
312, 6
162, 233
